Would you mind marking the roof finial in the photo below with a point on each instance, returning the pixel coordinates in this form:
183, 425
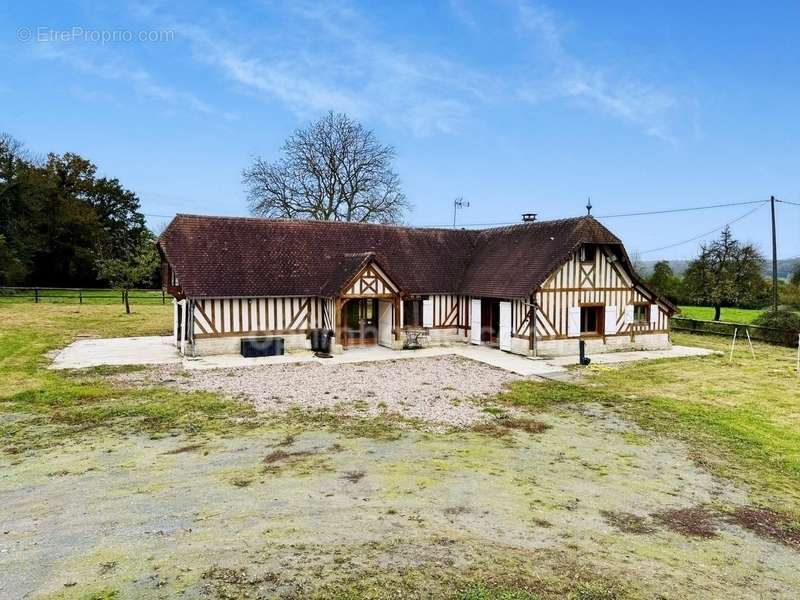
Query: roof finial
589, 206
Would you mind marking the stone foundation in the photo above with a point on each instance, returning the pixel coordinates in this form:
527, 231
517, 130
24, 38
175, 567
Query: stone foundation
566, 347
446, 337
233, 344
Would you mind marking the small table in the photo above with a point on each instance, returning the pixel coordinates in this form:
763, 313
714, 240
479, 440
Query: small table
416, 338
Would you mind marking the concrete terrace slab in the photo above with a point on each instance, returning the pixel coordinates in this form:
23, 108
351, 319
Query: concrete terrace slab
155, 350
95, 352
609, 358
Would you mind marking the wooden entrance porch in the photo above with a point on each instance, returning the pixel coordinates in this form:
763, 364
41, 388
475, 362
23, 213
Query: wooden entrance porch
368, 310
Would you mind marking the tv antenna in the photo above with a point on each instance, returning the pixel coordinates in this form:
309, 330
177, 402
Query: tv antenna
458, 203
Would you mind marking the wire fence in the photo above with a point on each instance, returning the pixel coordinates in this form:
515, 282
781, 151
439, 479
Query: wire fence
783, 337
38, 295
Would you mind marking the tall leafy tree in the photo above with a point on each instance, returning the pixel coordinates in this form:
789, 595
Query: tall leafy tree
795, 278
726, 273
57, 217
664, 280
333, 170
133, 270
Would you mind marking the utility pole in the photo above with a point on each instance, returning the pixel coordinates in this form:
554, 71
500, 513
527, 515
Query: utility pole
458, 203
774, 257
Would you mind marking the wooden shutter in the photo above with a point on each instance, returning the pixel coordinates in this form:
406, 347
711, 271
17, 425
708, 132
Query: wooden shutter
629, 314
475, 321
427, 312
505, 326
574, 321
654, 315
610, 321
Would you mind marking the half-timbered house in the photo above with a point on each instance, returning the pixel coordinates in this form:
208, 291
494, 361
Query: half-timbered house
533, 288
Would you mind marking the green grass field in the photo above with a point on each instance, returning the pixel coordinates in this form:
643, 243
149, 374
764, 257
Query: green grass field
730, 315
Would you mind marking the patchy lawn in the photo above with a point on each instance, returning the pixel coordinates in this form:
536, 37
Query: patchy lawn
673, 479
742, 419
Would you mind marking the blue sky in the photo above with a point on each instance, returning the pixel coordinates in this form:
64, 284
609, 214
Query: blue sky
518, 106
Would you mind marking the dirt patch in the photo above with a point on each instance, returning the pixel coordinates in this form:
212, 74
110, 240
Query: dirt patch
696, 521
768, 523
504, 426
457, 510
281, 455
529, 425
354, 476
628, 522
235, 583
182, 449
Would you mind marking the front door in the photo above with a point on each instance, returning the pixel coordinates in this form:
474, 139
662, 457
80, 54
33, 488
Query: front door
490, 321
360, 322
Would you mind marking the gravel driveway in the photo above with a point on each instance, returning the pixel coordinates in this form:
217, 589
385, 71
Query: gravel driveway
435, 390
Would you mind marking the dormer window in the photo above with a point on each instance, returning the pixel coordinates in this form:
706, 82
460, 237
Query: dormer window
587, 252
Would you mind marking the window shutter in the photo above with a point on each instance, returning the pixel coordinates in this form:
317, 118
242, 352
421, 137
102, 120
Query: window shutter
427, 312
611, 320
475, 321
629, 314
654, 315
505, 326
574, 321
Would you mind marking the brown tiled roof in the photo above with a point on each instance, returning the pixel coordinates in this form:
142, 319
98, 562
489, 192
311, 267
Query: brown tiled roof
233, 256
225, 256
512, 261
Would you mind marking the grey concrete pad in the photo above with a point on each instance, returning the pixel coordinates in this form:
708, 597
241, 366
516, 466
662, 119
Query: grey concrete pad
149, 350
154, 350
635, 355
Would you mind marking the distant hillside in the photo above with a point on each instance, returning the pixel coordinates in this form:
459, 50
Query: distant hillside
785, 267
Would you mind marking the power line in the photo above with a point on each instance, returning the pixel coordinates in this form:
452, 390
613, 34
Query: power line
676, 210
631, 214
788, 202
702, 235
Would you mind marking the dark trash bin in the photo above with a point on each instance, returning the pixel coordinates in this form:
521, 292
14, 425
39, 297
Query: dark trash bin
321, 340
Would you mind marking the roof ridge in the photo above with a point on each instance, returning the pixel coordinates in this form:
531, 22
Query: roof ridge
255, 219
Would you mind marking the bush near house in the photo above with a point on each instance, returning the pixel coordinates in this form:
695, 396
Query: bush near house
779, 319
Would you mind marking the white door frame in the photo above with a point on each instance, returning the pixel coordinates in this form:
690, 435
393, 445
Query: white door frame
386, 323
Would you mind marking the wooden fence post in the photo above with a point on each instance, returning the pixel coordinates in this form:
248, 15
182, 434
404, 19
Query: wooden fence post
163, 297
80, 296
36, 295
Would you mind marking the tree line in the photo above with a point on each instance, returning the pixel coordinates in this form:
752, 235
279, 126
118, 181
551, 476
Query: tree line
725, 273
62, 225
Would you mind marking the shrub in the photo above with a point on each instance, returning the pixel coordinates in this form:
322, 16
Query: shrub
779, 319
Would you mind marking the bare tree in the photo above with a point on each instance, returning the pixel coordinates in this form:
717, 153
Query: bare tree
332, 170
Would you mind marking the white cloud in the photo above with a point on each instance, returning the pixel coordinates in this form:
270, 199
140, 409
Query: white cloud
588, 85
335, 61
112, 67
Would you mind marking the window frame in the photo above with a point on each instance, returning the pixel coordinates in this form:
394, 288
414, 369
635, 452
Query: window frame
585, 250
599, 310
645, 306
418, 302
